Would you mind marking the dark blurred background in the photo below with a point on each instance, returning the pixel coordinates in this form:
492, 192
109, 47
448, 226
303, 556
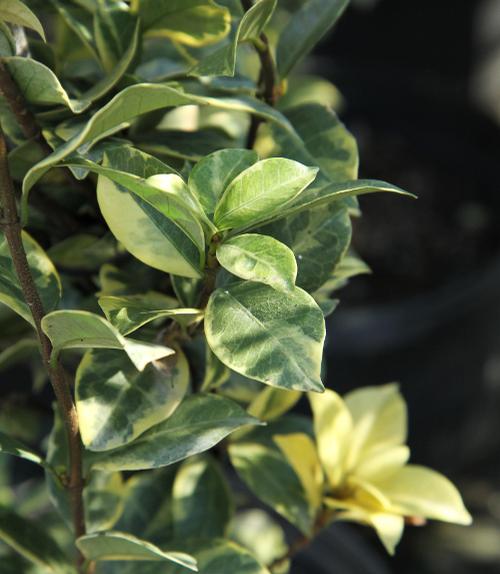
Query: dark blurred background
420, 82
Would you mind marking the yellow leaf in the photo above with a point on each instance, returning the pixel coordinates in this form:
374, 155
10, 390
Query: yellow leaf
379, 418
425, 493
300, 451
333, 428
381, 463
389, 527
272, 402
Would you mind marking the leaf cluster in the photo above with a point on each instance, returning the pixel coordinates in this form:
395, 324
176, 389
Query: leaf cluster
187, 197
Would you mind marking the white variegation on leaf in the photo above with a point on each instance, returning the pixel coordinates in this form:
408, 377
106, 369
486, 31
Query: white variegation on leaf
210, 177
260, 191
259, 258
130, 312
199, 423
263, 335
109, 546
84, 330
116, 402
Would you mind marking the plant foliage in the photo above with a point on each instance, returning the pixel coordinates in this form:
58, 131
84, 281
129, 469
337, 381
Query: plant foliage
186, 208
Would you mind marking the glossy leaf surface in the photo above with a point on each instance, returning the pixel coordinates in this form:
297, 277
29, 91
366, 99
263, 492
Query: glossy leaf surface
199, 423
84, 330
261, 259
116, 402
263, 335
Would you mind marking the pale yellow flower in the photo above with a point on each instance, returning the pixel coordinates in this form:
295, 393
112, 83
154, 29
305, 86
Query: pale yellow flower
359, 469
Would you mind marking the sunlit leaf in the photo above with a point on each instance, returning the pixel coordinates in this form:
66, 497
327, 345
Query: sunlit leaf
130, 312
199, 423
265, 187
16, 12
191, 22
84, 330
259, 258
122, 546
116, 402
263, 335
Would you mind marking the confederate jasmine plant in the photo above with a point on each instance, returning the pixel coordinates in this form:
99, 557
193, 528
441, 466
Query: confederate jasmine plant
176, 223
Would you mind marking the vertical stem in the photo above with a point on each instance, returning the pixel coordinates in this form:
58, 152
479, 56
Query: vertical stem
12, 230
24, 117
267, 78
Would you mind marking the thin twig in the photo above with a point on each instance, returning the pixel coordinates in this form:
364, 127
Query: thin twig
267, 78
302, 541
25, 119
13, 234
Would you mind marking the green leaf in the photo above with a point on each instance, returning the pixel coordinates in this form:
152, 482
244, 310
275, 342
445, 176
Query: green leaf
349, 266
116, 402
16, 12
259, 258
222, 62
44, 275
135, 101
147, 511
104, 500
322, 140
336, 191
202, 504
220, 556
23, 350
41, 87
199, 423
190, 22
113, 28
155, 226
267, 473
79, 23
15, 447
260, 533
130, 312
272, 403
216, 373
310, 89
305, 28
331, 146
84, 330
123, 546
83, 251
7, 41
319, 239
32, 541
214, 556
263, 335
261, 190
210, 176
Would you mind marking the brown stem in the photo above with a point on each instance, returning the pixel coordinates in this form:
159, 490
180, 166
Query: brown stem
17, 104
28, 124
302, 541
267, 78
210, 272
13, 234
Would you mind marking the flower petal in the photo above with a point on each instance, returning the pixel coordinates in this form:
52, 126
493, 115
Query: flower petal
300, 451
379, 417
333, 429
420, 491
